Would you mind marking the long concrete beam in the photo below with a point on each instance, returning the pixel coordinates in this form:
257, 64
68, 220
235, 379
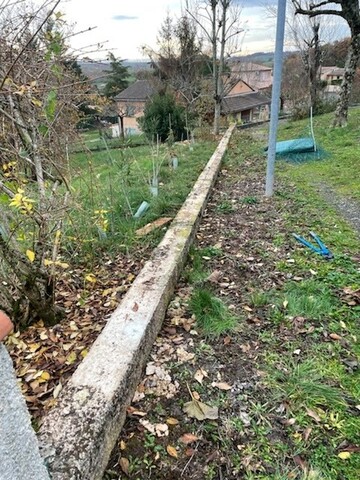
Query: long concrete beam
79, 433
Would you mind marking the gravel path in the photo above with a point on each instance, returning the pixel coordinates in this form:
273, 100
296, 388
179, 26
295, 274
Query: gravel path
349, 209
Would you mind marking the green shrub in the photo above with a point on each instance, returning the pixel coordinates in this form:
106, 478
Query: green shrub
163, 117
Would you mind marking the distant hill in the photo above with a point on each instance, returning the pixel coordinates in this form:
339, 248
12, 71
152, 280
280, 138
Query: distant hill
94, 69
264, 58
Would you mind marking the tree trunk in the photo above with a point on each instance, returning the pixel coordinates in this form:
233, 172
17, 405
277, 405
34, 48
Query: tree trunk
314, 73
121, 127
215, 64
217, 117
36, 292
341, 112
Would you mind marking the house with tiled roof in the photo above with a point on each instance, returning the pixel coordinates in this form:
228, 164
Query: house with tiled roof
333, 77
257, 75
130, 103
245, 104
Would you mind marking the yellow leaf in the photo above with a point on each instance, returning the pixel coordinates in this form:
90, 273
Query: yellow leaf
90, 278
344, 455
172, 451
71, 358
83, 353
172, 421
36, 102
34, 346
62, 264
31, 255
45, 376
47, 262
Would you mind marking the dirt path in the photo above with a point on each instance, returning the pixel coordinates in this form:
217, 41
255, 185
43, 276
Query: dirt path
349, 209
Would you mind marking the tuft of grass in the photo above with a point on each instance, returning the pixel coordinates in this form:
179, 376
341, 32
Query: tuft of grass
225, 207
212, 315
260, 299
310, 299
303, 384
249, 200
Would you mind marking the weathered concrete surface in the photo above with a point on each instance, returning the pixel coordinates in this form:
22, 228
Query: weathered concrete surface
19, 452
79, 433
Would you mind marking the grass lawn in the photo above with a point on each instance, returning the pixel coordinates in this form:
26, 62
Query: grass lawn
110, 185
341, 168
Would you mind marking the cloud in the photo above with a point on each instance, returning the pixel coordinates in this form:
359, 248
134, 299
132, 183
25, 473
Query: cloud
124, 17
256, 3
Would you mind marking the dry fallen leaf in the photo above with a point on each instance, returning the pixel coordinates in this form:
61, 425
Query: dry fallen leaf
183, 355
200, 411
172, 451
313, 415
195, 395
288, 422
158, 429
134, 411
221, 385
172, 421
214, 277
335, 336
57, 390
188, 438
306, 434
300, 462
200, 374
124, 465
247, 308
189, 452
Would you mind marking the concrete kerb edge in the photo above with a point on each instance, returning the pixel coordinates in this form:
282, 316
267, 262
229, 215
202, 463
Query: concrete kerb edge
78, 435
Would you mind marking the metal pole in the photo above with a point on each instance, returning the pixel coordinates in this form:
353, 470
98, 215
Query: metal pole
275, 97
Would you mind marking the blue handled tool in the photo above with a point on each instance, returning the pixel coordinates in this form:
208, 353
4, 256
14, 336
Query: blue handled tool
321, 250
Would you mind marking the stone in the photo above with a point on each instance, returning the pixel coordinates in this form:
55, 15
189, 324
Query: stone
19, 452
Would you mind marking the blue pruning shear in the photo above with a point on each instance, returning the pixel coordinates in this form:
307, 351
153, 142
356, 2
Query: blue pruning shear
320, 250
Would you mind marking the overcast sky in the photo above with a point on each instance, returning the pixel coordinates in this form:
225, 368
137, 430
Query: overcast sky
125, 25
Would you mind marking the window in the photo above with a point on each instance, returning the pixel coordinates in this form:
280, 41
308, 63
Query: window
130, 111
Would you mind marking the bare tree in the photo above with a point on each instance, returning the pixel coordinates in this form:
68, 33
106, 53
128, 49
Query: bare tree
306, 38
349, 11
219, 21
294, 85
179, 60
38, 95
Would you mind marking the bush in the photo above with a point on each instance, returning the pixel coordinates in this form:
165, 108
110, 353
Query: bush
161, 116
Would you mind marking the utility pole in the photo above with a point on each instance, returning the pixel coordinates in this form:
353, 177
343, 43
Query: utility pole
275, 97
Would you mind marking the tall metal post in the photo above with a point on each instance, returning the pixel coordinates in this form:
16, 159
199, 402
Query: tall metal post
275, 97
